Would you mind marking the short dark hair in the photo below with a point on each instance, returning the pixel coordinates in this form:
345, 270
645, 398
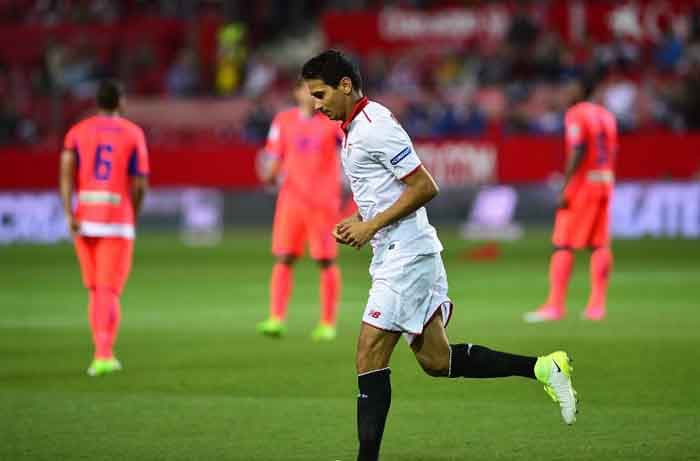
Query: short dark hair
588, 85
109, 94
331, 67
590, 81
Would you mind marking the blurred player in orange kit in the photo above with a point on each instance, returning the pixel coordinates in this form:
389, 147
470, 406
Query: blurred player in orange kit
106, 160
303, 150
582, 219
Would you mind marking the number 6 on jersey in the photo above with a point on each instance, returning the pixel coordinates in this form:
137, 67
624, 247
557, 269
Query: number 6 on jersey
103, 162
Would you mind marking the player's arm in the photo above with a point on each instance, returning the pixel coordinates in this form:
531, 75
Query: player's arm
271, 169
66, 179
420, 189
139, 169
272, 165
139, 187
576, 151
573, 162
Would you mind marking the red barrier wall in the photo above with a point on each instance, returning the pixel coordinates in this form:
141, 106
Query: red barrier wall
516, 160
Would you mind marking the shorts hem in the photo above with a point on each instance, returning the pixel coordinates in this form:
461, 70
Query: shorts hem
413, 336
381, 328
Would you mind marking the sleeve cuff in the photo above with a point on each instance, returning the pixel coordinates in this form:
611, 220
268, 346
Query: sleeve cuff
411, 172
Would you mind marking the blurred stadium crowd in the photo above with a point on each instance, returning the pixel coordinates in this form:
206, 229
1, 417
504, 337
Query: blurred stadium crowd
244, 56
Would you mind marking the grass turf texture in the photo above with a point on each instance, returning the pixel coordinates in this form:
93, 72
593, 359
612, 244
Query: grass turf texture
199, 383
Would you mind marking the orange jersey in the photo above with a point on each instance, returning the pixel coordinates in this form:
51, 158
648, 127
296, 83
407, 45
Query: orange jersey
593, 128
109, 151
308, 149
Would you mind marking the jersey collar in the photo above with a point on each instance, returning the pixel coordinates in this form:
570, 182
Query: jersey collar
359, 105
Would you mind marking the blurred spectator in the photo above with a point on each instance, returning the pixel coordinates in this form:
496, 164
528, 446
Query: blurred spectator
231, 57
140, 70
182, 78
374, 72
51, 12
15, 128
54, 60
511, 81
403, 76
260, 75
523, 31
460, 120
9, 124
622, 53
668, 52
688, 99
620, 97
80, 70
550, 121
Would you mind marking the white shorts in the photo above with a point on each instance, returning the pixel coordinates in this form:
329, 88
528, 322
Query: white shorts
406, 292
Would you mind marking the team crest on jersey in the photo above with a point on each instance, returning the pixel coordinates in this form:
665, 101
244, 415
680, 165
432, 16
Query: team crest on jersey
374, 314
400, 156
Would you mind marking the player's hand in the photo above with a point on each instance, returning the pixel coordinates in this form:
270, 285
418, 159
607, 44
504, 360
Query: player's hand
348, 220
267, 168
356, 234
337, 236
73, 224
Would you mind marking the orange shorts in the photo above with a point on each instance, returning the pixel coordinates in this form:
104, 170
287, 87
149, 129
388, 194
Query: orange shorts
104, 261
295, 224
585, 223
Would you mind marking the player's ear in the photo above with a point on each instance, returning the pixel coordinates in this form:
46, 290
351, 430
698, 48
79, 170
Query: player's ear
346, 85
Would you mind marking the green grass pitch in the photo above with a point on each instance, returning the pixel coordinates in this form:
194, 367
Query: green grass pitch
199, 384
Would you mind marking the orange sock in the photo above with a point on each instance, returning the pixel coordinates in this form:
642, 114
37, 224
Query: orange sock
114, 320
92, 314
330, 293
92, 308
560, 265
601, 265
106, 322
281, 284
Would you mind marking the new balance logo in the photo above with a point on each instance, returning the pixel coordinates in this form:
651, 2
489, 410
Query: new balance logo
374, 314
362, 396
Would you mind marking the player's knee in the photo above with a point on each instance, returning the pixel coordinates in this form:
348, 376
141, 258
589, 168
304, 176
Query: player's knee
369, 359
371, 356
287, 260
325, 263
568, 248
435, 365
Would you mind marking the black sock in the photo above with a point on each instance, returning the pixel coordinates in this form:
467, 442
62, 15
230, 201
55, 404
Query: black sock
372, 408
472, 361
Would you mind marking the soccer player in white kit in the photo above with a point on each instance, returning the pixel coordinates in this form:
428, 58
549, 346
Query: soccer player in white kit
409, 285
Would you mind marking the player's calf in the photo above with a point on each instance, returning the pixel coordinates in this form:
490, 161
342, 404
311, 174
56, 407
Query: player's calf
473, 361
432, 348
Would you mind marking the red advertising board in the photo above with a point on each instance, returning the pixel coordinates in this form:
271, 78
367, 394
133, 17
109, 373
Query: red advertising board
455, 163
394, 30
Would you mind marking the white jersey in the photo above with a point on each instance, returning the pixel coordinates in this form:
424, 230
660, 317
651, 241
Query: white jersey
377, 154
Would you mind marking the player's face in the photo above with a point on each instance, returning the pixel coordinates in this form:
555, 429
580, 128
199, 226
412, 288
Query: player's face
329, 100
